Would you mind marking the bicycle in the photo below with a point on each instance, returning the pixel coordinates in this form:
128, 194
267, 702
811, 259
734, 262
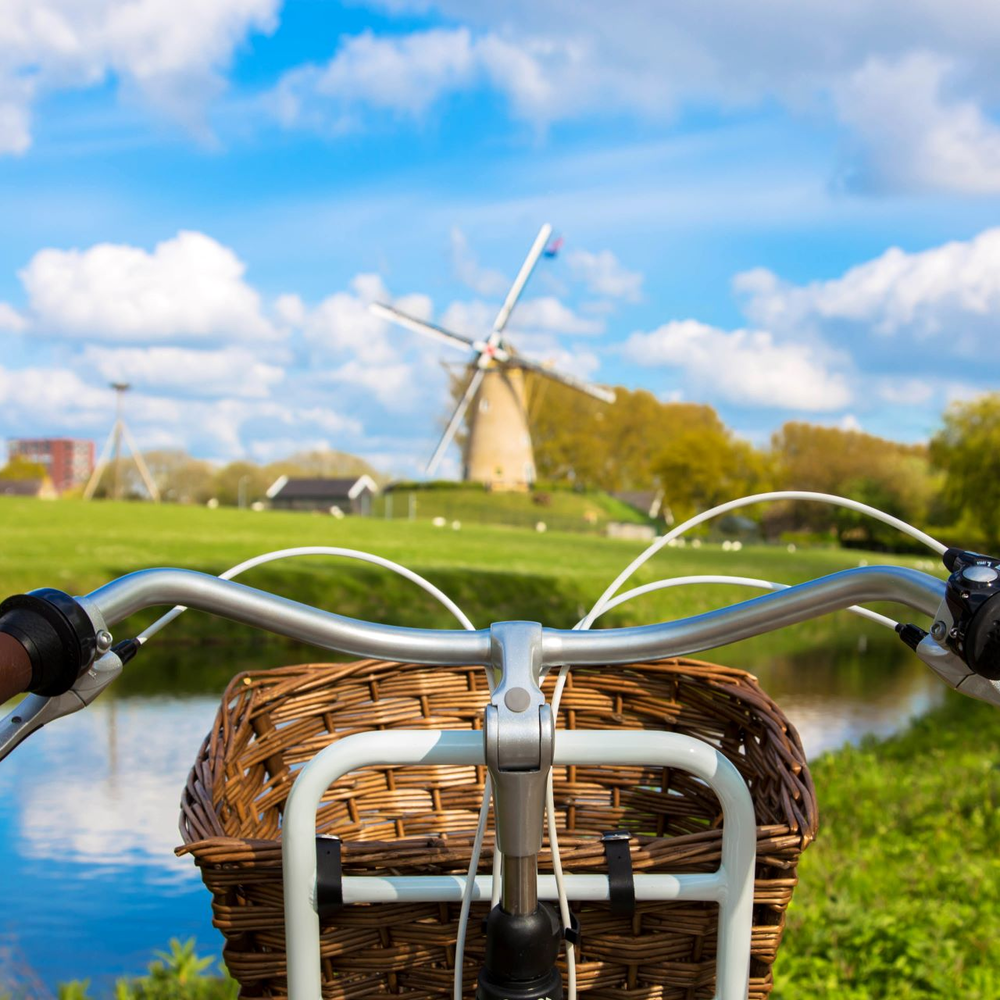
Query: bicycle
61, 650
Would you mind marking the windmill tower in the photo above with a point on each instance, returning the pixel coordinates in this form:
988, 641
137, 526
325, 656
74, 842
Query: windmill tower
113, 446
498, 448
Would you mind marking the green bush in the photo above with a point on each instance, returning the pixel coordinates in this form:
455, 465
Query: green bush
177, 974
900, 896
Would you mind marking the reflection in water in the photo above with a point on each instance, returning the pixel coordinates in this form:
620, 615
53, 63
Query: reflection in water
88, 823
88, 807
846, 685
109, 796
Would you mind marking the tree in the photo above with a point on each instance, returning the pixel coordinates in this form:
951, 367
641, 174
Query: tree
613, 446
20, 468
885, 474
242, 479
325, 463
179, 477
705, 466
967, 451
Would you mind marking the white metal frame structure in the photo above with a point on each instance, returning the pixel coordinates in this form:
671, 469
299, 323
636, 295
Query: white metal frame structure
731, 886
113, 447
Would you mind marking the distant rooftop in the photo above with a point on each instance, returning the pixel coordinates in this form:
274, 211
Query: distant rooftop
320, 489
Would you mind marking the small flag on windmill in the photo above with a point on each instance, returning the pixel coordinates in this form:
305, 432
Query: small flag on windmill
554, 247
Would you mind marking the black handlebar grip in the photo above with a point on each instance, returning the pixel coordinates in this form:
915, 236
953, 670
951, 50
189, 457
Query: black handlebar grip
15, 668
55, 633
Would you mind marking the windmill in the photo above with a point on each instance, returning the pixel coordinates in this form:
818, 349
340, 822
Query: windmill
498, 444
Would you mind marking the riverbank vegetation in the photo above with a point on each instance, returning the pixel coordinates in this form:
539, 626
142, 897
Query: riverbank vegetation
900, 895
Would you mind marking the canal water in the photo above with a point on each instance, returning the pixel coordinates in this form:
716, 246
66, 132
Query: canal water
89, 806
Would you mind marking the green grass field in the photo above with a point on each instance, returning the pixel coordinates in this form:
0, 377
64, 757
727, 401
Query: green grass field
558, 510
494, 571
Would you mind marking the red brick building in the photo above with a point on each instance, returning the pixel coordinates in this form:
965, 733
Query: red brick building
68, 461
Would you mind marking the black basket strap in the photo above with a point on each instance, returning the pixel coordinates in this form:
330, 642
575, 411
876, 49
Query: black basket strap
621, 885
329, 877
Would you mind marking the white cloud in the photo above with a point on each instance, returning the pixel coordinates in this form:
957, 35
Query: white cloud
403, 74
392, 384
171, 53
905, 391
57, 401
647, 58
547, 314
747, 367
950, 293
603, 274
912, 135
543, 78
363, 356
472, 319
341, 326
232, 372
189, 288
290, 310
583, 364
54, 397
10, 319
482, 280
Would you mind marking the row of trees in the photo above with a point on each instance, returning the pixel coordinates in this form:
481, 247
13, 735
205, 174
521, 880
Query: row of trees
640, 442
183, 479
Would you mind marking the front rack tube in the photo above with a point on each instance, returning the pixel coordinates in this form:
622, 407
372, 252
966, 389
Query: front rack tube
115, 601
730, 885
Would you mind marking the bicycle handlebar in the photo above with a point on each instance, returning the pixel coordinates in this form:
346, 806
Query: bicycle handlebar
147, 588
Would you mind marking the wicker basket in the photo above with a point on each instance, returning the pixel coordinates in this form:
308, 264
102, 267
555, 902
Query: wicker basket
412, 820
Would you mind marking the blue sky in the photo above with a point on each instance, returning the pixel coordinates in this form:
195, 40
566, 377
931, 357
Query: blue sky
786, 210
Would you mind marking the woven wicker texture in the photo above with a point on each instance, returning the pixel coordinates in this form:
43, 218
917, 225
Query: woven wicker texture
421, 820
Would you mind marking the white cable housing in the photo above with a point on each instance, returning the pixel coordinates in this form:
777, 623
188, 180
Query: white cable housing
327, 550
320, 550
741, 581
724, 508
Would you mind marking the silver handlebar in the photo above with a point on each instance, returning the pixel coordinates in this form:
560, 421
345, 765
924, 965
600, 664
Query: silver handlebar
117, 600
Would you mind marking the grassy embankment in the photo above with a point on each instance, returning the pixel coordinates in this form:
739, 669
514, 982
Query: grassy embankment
492, 572
557, 509
900, 895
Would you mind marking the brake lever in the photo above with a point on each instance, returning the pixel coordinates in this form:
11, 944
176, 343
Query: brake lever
35, 711
949, 666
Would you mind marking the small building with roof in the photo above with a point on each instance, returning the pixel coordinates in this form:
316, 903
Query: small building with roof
329, 496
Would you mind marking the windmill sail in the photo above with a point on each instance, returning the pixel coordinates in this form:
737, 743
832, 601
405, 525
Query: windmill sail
489, 366
597, 391
420, 326
451, 430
